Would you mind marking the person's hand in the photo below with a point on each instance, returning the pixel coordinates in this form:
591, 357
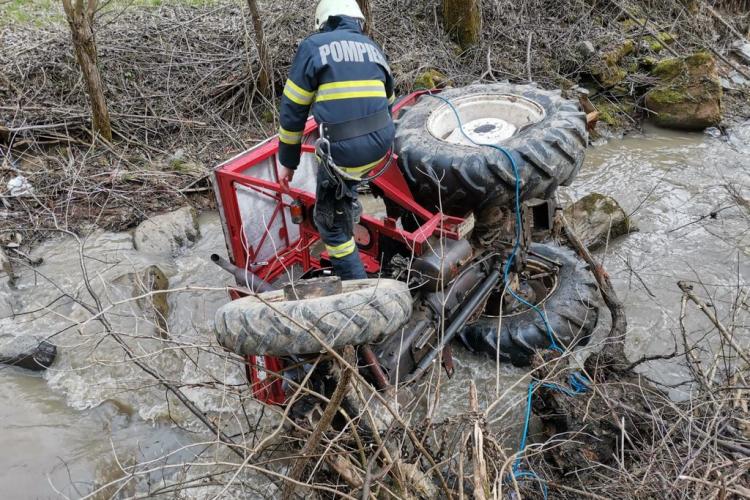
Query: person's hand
285, 177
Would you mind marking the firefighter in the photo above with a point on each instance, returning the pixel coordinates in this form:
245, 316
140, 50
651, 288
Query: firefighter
344, 77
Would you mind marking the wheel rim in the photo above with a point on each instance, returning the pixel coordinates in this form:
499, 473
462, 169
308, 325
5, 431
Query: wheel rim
540, 277
486, 118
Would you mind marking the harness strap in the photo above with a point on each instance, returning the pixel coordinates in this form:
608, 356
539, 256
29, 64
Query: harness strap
342, 131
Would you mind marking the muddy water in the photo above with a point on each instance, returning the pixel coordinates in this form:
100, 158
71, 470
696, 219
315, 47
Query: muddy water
677, 186
63, 427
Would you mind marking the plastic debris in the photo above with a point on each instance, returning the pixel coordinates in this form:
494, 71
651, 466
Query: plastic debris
20, 186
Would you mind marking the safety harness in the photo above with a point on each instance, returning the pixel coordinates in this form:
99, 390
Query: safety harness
342, 131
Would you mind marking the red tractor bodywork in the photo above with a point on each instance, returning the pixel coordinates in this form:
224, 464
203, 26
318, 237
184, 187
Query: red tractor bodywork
262, 238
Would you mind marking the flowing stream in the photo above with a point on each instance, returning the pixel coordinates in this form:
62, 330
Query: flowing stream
61, 429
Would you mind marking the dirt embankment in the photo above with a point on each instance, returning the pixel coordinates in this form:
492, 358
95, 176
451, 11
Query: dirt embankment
180, 85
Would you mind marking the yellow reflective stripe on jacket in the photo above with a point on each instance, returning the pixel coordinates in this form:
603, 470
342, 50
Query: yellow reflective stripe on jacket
289, 137
392, 99
297, 94
341, 251
353, 89
360, 171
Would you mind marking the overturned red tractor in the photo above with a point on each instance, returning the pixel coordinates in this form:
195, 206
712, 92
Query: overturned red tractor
464, 249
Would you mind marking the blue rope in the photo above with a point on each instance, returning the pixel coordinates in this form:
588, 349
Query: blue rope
519, 222
579, 384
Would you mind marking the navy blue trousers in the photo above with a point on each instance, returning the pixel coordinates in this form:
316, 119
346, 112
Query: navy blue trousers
334, 219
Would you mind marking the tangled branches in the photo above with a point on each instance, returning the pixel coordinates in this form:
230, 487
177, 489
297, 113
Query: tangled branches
179, 74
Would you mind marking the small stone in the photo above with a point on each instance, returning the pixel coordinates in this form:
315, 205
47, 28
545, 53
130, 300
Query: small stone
713, 132
586, 49
607, 68
168, 233
178, 156
430, 79
598, 219
27, 351
6, 269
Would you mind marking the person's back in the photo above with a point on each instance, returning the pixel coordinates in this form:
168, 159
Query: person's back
345, 78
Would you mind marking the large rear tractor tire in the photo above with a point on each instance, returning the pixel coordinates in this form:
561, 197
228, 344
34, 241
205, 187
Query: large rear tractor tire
572, 312
365, 311
545, 134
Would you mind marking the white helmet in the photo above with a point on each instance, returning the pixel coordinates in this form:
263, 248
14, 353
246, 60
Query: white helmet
328, 8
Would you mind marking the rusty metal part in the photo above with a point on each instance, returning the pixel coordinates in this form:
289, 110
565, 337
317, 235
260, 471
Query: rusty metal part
395, 354
447, 358
243, 276
537, 216
378, 375
471, 305
441, 265
313, 288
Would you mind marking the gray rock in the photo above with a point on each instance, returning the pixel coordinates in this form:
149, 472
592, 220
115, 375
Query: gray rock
688, 95
178, 156
6, 269
586, 49
7, 284
742, 49
166, 234
27, 351
713, 132
597, 219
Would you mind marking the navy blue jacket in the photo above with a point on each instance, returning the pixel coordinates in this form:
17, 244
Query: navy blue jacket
344, 76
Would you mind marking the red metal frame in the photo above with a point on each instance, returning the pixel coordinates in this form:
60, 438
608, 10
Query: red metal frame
238, 172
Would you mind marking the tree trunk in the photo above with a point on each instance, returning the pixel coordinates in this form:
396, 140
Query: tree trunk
264, 75
463, 21
80, 18
367, 11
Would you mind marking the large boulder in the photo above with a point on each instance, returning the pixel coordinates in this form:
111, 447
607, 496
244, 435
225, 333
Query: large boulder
166, 234
688, 95
598, 219
27, 351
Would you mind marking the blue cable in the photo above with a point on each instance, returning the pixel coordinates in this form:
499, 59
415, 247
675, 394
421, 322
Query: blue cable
519, 222
579, 384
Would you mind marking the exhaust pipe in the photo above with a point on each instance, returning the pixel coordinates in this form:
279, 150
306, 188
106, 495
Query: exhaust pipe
243, 276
